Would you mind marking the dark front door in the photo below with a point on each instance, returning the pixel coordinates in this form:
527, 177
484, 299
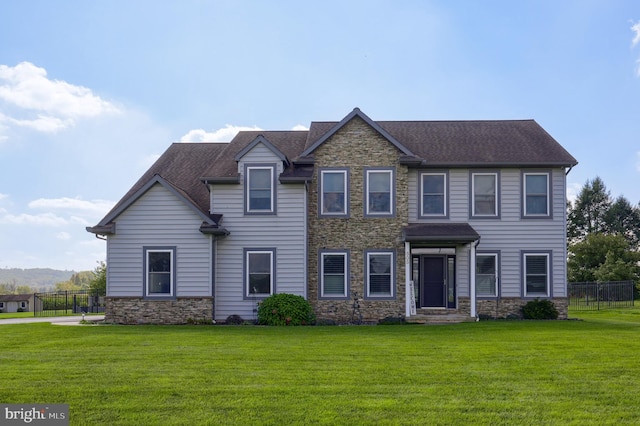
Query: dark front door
434, 283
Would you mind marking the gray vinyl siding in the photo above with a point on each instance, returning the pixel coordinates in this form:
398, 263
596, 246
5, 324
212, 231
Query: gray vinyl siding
159, 219
285, 231
510, 233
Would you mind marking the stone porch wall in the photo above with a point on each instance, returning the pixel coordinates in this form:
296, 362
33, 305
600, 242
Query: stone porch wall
136, 310
508, 307
357, 146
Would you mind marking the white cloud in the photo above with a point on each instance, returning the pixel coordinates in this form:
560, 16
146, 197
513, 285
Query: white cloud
3, 196
44, 219
221, 135
45, 105
573, 189
636, 40
93, 207
224, 134
636, 30
64, 236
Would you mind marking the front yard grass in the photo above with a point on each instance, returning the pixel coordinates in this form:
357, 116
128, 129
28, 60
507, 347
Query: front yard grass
485, 373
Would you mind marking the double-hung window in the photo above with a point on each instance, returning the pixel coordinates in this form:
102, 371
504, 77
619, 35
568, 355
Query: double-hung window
487, 274
334, 193
259, 189
536, 198
380, 274
485, 194
379, 192
536, 274
334, 274
259, 272
159, 264
433, 190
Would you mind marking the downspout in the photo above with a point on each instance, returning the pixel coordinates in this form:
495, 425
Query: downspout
472, 277
407, 278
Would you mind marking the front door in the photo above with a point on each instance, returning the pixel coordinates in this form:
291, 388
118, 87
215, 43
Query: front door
433, 286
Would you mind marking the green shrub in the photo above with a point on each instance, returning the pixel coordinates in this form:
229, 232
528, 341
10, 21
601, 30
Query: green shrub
285, 309
539, 309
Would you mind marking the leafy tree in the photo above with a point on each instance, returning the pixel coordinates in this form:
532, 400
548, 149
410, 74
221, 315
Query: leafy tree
99, 281
601, 257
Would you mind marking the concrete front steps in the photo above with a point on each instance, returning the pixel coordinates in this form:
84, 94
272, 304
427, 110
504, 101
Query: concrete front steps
439, 316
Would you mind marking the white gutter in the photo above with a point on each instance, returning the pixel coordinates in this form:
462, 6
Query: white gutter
472, 277
407, 278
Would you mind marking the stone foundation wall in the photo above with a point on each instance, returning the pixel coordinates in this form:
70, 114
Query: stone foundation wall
508, 307
369, 312
136, 310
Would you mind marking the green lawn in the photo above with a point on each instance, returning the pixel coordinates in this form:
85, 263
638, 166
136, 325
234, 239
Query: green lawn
485, 373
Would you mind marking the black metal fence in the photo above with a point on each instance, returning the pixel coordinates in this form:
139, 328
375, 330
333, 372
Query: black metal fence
594, 296
73, 302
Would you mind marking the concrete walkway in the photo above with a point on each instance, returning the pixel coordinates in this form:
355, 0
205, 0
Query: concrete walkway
67, 320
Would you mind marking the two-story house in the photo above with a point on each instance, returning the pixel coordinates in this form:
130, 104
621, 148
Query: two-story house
408, 217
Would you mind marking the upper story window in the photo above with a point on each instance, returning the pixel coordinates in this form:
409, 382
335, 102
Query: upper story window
334, 193
484, 190
159, 272
379, 192
433, 190
259, 272
380, 274
536, 198
536, 274
259, 189
487, 274
334, 274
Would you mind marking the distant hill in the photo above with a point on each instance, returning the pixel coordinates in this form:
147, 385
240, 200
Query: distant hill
35, 277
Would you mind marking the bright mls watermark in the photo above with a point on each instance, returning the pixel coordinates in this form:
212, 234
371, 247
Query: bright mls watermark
34, 414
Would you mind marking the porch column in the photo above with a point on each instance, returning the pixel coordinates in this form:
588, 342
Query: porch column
472, 278
407, 278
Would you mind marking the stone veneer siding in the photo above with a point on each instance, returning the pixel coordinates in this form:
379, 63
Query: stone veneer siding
136, 310
357, 146
508, 307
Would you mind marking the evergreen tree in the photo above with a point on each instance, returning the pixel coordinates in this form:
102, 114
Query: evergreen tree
587, 215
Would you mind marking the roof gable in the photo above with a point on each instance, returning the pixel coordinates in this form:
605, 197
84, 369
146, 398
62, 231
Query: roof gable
285, 144
156, 179
355, 113
260, 139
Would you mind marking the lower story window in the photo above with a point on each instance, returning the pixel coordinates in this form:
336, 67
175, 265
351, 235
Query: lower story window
159, 271
259, 272
487, 274
380, 275
334, 274
536, 274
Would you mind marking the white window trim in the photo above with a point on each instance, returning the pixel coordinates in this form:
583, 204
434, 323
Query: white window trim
391, 173
548, 274
345, 192
524, 194
496, 268
247, 253
392, 283
172, 272
345, 287
248, 170
473, 194
444, 199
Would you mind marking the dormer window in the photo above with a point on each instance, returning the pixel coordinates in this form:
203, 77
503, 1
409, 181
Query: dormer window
259, 189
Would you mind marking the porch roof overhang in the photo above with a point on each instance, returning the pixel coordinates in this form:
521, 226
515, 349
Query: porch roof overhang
452, 233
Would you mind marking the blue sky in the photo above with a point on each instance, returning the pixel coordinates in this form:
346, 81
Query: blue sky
91, 92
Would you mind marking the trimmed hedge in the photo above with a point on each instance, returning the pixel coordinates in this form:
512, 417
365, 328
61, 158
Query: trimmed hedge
285, 309
540, 309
